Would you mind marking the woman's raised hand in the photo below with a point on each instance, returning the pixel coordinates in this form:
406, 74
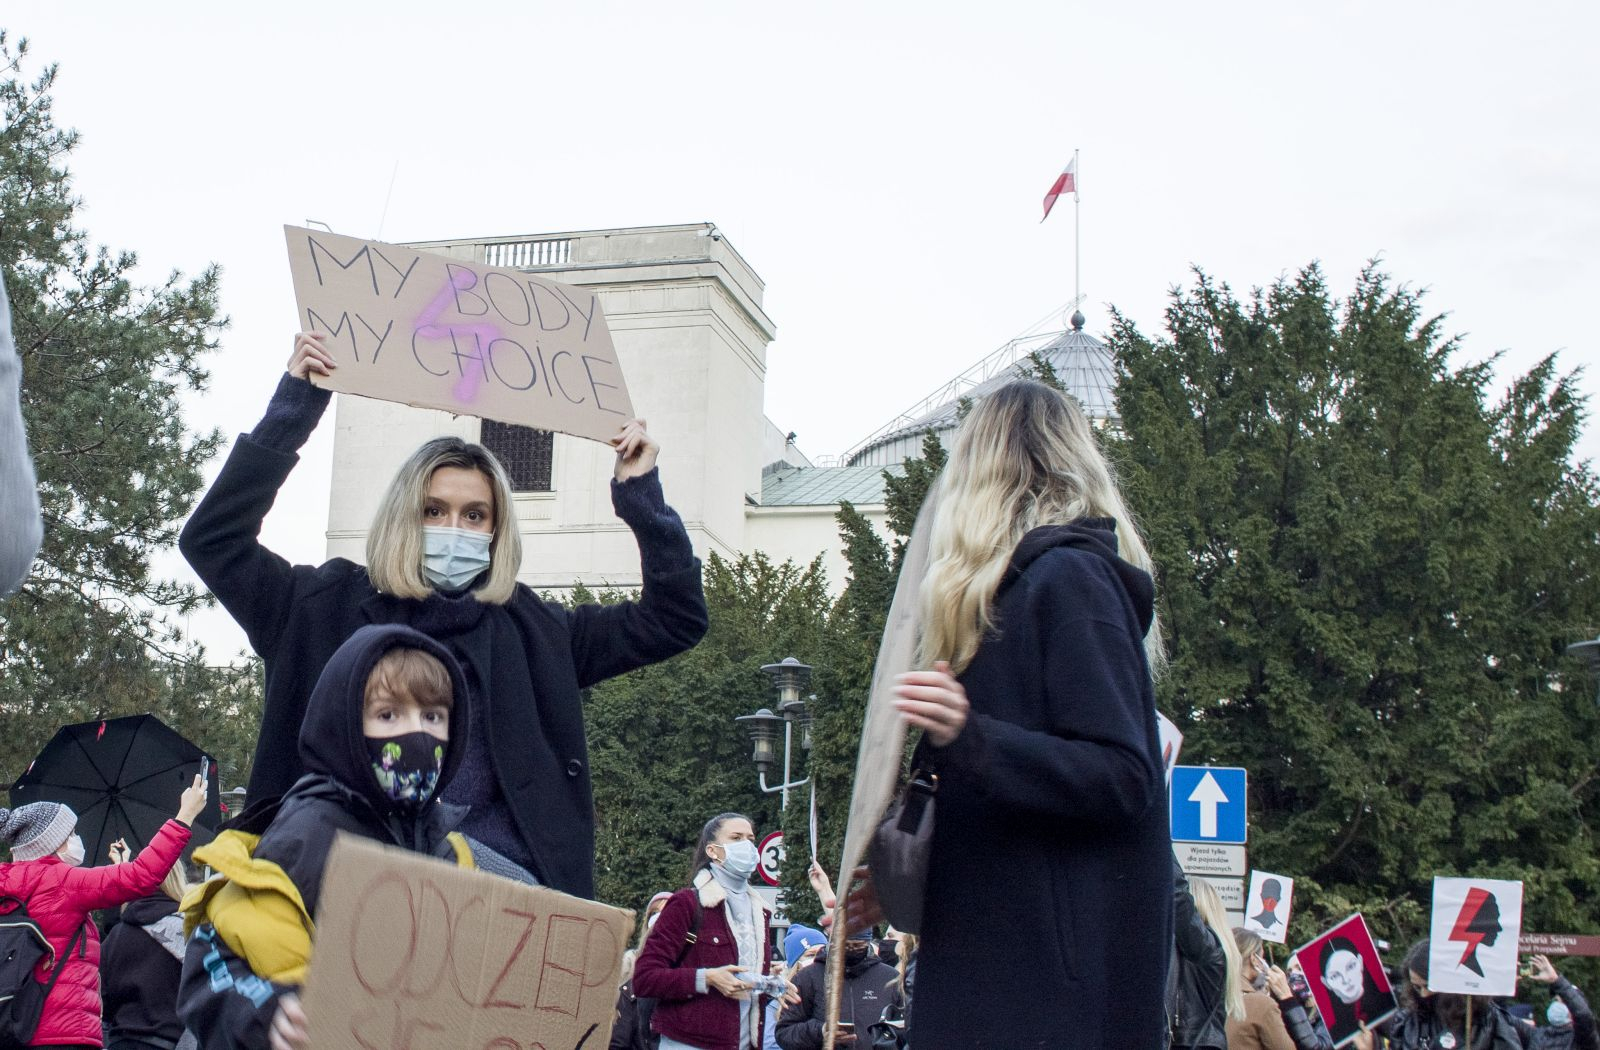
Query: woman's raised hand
933, 702
310, 356
636, 450
821, 885
861, 906
193, 800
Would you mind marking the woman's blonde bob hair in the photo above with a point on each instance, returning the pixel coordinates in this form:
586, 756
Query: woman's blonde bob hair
176, 884
394, 544
1209, 905
1024, 457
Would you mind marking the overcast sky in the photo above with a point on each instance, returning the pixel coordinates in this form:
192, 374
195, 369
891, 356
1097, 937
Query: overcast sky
880, 165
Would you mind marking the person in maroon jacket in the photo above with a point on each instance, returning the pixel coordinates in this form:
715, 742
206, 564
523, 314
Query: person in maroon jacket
45, 874
705, 961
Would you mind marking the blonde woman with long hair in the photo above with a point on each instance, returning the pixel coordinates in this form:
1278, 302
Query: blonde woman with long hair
442, 557
1037, 710
1269, 1015
1207, 990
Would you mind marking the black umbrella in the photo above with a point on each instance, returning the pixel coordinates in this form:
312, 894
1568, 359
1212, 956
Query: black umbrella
122, 777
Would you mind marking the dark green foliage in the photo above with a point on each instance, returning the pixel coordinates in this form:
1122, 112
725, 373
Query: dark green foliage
665, 753
92, 632
1041, 368
905, 493
1369, 573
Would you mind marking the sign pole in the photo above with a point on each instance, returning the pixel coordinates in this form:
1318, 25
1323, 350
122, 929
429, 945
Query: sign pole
1469, 1023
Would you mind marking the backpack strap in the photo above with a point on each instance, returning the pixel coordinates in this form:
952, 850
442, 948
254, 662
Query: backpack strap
691, 938
79, 941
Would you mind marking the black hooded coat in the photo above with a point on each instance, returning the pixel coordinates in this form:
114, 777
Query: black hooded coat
139, 976
528, 658
1050, 832
340, 793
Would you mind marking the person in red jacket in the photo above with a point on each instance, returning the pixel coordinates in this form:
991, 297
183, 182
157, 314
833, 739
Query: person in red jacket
706, 960
59, 895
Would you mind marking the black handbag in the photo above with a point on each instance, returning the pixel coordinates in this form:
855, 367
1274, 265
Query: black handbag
899, 852
889, 1031
886, 1036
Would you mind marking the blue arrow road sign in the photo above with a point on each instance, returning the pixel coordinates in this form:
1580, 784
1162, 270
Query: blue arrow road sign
1208, 804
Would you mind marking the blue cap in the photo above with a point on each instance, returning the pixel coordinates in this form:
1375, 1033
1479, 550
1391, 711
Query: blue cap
799, 939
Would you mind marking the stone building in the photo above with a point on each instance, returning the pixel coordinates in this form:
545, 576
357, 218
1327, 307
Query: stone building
686, 316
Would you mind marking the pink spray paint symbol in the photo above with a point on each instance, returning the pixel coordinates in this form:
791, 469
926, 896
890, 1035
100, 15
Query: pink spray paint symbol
466, 388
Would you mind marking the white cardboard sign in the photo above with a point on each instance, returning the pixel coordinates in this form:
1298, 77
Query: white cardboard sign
1267, 908
427, 330
1171, 743
1472, 946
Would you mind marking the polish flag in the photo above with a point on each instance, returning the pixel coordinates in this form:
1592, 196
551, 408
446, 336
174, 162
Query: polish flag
1066, 182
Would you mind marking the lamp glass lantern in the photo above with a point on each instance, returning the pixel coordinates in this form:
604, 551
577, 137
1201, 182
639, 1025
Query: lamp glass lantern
765, 729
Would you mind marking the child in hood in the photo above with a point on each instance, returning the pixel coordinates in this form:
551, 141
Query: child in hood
384, 732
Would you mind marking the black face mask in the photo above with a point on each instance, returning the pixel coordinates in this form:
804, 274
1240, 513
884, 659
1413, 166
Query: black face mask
889, 952
855, 952
407, 767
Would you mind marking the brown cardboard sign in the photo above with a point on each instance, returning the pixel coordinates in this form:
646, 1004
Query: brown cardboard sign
436, 332
414, 953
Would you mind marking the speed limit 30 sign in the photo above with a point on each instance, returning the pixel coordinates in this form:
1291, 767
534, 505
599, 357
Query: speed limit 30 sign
772, 858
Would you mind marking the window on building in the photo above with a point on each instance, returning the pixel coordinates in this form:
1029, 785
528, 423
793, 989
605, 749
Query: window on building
523, 451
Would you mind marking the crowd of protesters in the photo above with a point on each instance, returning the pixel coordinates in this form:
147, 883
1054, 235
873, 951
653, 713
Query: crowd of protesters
428, 701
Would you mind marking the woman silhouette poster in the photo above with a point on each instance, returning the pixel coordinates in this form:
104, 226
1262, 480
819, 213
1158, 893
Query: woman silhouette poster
1472, 946
1266, 910
1347, 979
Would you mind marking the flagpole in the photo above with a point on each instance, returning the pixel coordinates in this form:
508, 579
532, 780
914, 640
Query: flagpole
1077, 254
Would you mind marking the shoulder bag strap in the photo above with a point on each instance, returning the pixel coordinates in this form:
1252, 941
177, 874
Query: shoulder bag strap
66, 957
693, 936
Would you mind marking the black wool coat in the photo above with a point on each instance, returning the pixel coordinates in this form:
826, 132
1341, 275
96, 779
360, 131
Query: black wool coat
139, 977
1050, 834
530, 657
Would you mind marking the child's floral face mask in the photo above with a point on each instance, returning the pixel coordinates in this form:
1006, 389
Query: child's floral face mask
407, 767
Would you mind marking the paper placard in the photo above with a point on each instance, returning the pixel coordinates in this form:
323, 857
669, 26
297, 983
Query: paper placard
1171, 741
415, 952
883, 730
435, 332
1472, 942
1347, 979
1268, 906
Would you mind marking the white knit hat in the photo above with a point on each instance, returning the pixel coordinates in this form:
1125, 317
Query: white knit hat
37, 829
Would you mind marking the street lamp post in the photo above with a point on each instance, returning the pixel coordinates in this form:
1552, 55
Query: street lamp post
789, 677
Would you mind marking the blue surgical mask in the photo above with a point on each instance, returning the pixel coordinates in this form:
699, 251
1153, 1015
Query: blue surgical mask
740, 859
453, 558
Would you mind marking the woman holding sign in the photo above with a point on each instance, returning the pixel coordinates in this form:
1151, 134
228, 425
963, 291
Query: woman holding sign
442, 557
1039, 720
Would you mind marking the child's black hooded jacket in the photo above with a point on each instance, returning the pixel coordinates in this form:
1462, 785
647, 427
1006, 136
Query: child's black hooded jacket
222, 999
